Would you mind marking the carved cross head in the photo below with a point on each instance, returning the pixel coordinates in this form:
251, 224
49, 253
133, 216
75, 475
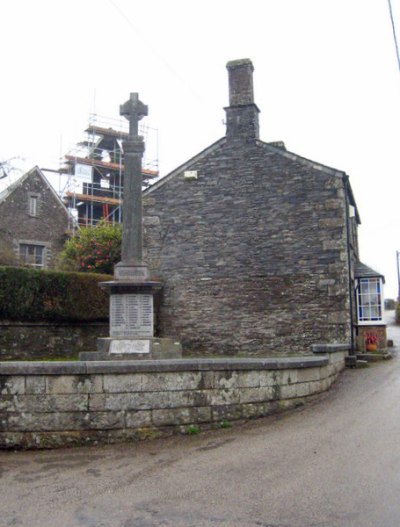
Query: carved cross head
133, 110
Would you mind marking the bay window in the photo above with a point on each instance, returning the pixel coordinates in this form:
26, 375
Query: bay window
369, 294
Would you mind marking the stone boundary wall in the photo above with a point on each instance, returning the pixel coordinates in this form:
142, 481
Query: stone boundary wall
45, 405
48, 340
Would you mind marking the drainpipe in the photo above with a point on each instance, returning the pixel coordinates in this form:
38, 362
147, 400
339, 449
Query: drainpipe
346, 193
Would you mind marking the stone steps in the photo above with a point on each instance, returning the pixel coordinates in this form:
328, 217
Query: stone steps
374, 357
361, 360
352, 361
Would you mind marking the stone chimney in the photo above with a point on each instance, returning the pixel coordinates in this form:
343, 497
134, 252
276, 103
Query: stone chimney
242, 113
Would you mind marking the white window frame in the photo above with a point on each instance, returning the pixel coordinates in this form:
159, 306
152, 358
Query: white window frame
33, 204
38, 257
369, 294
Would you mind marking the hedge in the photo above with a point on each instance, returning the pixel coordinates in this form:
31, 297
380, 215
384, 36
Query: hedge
39, 295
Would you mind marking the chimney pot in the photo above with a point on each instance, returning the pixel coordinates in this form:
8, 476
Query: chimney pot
240, 82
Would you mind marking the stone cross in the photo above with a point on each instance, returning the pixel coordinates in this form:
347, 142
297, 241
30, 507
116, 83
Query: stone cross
132, 290
133, 110
131, 266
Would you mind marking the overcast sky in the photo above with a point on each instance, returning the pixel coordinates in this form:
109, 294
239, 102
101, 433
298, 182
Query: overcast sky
326, 82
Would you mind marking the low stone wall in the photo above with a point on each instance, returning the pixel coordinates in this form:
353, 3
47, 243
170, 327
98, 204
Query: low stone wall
57, 404
41, 340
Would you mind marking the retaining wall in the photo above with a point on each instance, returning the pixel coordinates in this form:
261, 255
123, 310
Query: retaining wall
48, 340
56, 404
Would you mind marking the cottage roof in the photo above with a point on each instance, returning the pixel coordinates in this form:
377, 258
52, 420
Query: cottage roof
363, 271
10, 189
14, 186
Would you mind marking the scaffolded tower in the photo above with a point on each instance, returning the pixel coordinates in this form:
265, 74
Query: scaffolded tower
95, 170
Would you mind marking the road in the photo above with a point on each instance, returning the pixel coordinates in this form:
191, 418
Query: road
334, 463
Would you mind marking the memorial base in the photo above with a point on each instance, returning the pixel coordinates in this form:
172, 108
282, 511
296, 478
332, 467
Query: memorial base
134, 349
132, 325
131, 308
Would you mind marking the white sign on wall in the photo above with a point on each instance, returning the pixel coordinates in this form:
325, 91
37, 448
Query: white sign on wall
83, 172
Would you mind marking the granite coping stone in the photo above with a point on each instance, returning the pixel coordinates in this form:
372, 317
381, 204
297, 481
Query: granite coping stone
42, 368
163, 365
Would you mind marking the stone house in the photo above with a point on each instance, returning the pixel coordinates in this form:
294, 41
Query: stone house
257, 246
33, 222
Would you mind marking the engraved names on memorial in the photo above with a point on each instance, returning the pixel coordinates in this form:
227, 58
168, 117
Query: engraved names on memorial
131, 315
130, 346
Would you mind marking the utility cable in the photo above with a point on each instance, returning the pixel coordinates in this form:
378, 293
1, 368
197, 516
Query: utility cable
394, 34
156, 53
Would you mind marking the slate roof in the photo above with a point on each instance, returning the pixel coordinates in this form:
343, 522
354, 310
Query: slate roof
363, 271
11, 188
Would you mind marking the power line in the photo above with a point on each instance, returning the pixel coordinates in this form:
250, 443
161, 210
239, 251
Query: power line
157, 54
394, 34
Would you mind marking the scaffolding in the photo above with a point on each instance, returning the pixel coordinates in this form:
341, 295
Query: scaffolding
95, 171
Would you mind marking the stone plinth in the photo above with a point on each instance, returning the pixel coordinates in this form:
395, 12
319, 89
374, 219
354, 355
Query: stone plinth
134, 349
131, 308
132, 321
132, 273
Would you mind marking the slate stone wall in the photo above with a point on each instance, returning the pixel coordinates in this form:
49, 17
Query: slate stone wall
43, 341
57, 404
253, 253
46, 228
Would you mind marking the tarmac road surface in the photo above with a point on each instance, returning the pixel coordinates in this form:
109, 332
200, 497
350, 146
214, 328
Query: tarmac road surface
333, 463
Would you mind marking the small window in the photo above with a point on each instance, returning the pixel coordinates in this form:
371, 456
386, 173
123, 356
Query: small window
32, 255
369, 300
33, 205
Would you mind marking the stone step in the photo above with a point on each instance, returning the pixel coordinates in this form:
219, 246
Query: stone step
362, 364
373, 357
352, 361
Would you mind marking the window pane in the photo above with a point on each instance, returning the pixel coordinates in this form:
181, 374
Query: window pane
39, 255
32, 254
374, 313
374, 299
33, 205
369, 300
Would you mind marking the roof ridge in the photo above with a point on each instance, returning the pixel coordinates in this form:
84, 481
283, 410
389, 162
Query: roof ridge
292, 155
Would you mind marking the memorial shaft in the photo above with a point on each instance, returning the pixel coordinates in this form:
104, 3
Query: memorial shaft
132, 229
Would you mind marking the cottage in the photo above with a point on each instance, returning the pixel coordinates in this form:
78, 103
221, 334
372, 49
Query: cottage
257, 246
33, 222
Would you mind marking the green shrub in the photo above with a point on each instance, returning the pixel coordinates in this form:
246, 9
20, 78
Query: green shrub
30, 294
93, 250
398, 312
